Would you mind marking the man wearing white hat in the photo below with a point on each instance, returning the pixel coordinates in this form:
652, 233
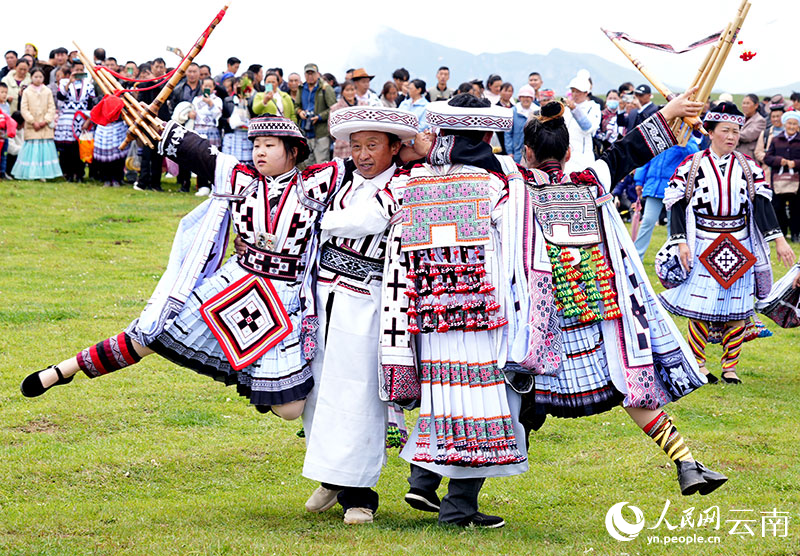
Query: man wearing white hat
345, 420
583, 121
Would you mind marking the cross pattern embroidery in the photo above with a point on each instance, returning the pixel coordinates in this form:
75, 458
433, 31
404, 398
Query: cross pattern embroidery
249, 317
393, 332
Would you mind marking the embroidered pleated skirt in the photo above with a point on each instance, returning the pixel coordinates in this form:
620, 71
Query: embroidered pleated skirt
583, 385
237, 144
703, 298
211, 133
107, 139
279, 376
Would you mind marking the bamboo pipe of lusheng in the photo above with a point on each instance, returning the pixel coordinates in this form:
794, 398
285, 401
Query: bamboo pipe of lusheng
109, 90
134, 109
659, 86
155, 133
725, 47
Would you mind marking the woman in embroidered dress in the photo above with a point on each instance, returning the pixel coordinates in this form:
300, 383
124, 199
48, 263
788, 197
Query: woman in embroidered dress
249, 321
76, 94
590, 328
722, 217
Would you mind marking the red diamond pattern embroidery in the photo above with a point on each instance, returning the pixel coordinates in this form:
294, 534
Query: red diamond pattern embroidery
727, 260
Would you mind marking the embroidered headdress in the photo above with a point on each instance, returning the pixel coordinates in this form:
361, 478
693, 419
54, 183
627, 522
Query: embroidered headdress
725, 112
373, 118
278, 126
489, 118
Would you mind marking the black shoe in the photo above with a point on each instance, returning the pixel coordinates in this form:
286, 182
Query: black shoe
693, 477
263, 408
156, 188
32, 385
795, 238
483, 521
184, 190
731, 379
422, 500
712, 378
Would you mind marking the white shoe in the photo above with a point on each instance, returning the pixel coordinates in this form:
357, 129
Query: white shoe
203, 192
357, 516
321, 499
137, 188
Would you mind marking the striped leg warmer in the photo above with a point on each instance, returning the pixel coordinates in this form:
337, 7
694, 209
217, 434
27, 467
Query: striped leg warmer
732, 347
667, 436
698, 338
108, 356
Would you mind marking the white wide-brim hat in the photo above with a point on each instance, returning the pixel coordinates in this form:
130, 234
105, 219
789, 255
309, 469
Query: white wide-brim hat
489, 118
346, 121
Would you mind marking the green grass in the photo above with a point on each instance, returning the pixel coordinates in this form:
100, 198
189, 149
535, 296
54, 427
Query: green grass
157, 460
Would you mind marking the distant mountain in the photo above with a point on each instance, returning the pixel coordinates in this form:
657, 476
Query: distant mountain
422, 58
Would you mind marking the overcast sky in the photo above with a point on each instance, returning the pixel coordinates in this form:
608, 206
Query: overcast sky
336, 34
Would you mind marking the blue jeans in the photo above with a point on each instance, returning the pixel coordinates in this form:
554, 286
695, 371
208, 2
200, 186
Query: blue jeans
652, 210
4, 156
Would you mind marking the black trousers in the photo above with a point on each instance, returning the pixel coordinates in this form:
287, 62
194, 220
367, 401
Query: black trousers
791, 221
461, 501
355, 497
69, 157
150, 173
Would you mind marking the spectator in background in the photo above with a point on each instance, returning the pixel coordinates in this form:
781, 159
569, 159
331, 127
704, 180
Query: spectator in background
400, 77
465, 87
131, 70
514, 140
38, 159
273, 100
477, 88
258, 77
783, 157
535, 81
441, 91
5, 113
33, 53
363, 93
316, 99
233, 64
282, 84
754, 125
493, 84
609, 130
389, 94
506, 94
150, 173
11, 63
330, 79
293, 83
207, 112
77, 95
651, 180
583, 121
187, 88
795, 98
111, 63
235, 121
627, 103
99, 56
765, 139
645, 108
341, 147
416, 103
15, 81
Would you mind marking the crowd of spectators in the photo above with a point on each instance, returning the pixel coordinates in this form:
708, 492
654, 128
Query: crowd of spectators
49, 100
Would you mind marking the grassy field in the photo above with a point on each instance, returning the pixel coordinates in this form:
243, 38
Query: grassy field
156, 460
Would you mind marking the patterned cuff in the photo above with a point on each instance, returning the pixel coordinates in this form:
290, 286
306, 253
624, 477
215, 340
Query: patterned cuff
681, 238
171, 139
441, 150
772, 235
657, 134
